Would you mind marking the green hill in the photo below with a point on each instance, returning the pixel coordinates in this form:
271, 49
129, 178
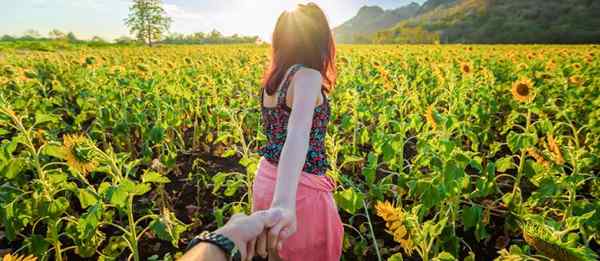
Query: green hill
371, 19
490, 21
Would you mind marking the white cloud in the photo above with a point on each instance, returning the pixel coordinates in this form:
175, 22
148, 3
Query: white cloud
176, 12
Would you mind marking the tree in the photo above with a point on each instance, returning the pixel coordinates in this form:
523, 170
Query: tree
124, 40
7, 38
98, 39
31, 34
148, 20
56, 34
72, 38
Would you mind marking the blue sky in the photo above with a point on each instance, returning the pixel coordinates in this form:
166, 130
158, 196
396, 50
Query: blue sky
104, 18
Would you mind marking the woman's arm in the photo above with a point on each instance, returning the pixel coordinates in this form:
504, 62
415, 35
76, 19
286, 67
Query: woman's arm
306, 89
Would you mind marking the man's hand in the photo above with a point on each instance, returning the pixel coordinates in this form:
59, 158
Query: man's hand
242, 229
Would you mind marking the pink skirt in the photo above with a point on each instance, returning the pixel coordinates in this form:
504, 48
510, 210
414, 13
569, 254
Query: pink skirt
320, 231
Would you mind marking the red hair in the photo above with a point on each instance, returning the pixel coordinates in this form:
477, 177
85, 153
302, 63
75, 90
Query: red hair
301, 36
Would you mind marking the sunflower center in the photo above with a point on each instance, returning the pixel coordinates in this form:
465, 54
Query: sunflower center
523, 89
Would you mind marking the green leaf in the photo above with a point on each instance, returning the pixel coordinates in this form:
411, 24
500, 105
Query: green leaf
471, 217
88, 222
154, 177
370, 169
504, 164
134, 188
218, 181
86, 198
349, 200
41, 117
141, 189
14, 167
485, 184
232, 187
518, 141
57, 207
38, 245
229, 153
219, 216
168, 228
117, 196
157, 134
114, 248
470, 257
388, 151
396, 257
57, 178
54, 151
453, 176
444, 256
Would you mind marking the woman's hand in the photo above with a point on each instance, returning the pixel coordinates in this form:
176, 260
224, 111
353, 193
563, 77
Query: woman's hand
285, 228
271, 240
243, 230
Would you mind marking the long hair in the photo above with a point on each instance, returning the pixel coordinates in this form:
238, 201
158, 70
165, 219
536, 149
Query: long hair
301, 36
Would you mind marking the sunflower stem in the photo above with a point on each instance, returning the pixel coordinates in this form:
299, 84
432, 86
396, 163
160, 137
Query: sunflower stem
372, 232
132, 230
521, 162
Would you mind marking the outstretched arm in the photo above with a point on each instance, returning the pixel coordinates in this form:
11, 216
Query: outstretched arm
306, 89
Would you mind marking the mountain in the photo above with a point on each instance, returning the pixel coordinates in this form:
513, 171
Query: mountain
485, 21
371, 19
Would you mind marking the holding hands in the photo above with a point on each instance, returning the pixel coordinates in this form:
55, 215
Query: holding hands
270, 241
261, 233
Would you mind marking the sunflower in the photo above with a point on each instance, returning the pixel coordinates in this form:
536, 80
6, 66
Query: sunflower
430, 116
394, 218
544, 239
543, 75
550, 65
466, 68
589, 59
522, 90
78, 152
117, 69
576, 66
576, 80
9, 70
539, 158
522, 66
89, 60
555, 149
10, 257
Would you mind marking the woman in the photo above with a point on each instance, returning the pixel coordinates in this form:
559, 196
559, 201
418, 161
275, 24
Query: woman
295, 110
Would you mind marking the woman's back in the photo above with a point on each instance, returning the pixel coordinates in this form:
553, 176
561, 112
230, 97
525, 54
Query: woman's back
275, 121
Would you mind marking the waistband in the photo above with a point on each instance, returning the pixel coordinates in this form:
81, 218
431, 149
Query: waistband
322, 183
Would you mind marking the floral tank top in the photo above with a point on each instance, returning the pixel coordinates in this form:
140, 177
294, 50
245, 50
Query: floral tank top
275, 120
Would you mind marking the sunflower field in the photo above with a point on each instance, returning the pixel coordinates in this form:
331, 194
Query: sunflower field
459, 152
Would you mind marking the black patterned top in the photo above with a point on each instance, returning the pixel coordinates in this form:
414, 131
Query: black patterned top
275, 120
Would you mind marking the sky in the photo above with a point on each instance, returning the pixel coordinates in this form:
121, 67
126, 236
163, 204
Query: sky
104, 18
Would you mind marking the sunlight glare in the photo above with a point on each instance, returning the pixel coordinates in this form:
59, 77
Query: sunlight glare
253, 17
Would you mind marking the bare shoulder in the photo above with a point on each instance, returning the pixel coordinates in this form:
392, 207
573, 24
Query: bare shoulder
309, 81
310, 77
